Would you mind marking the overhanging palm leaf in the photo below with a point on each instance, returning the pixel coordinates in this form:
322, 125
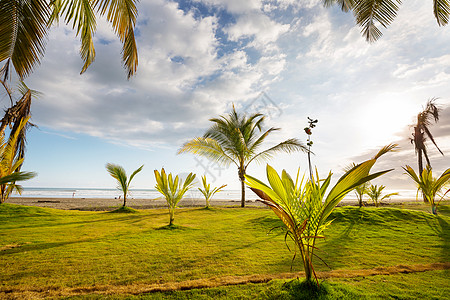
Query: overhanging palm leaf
23, 32
236, 139
25, 25
370, 13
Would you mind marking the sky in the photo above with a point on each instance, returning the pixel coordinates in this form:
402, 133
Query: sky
287, 59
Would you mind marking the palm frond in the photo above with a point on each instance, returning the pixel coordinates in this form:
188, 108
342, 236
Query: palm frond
290, 145
209, 148
441, 10
370, 13
24, 30
122, 14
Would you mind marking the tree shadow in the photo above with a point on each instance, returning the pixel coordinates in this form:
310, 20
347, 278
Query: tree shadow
41, 246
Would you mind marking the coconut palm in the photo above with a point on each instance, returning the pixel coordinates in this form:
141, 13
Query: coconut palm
374, 192
369, 13
10, 163
430, 186
207, 191
173, 189
304, 208
123, 183
25, 26
235, 139
422, 132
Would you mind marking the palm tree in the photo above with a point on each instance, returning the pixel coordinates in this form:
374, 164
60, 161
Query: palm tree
422, 131
123, 184
374, 192
173, 189
429, 186
235, 139
368, 13
10, 163
207, 191
25, 26
304, 208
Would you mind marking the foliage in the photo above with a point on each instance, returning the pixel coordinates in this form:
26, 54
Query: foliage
235, 139
304, 209
374, 192
123, 183
207, 192
25, 26
430, 186
10, 163
173, 189
360, 190
422, 132
370, 14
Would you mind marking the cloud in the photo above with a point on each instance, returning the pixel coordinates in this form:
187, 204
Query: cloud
182, 81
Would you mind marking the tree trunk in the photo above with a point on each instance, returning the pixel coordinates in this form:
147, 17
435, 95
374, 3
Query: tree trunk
171, 217
420, 162
124, 200
242, 192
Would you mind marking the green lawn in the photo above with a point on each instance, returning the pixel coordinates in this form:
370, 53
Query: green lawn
50, 249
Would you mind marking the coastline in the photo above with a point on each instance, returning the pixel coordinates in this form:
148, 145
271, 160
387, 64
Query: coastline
108, 204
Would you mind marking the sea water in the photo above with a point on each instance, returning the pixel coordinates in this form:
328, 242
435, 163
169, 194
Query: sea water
153, 194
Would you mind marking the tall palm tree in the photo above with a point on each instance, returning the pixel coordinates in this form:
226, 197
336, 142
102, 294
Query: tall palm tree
25, 25
235, 139
368, 13
422, 132
123, 184
10, 163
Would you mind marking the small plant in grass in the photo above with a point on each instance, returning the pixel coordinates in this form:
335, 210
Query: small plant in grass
303, 206
430, 186
207, 192
173, 189
123, 183
374, 192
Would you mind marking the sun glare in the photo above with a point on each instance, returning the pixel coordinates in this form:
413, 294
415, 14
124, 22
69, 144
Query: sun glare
384, 120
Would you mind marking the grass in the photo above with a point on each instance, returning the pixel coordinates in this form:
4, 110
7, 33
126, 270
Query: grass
47, 249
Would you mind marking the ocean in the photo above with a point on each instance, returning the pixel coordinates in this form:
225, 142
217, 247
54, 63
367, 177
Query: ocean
113, 193
153, 194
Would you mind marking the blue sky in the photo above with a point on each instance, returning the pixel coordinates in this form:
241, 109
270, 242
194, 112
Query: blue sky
288, 59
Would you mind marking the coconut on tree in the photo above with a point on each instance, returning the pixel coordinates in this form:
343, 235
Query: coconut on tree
236, 139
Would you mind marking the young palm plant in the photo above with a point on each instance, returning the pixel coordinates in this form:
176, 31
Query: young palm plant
123, 183
303, 206
173, 189
360, 190
236, 139
207, 192
374, 192
10, 163
430, 186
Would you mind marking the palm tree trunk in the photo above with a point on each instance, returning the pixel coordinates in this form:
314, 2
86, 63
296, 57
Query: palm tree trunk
242, 192
124, 199
420, 162
241, 173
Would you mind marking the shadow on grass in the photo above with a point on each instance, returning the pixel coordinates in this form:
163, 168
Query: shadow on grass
173, 227
41, 246
124, 210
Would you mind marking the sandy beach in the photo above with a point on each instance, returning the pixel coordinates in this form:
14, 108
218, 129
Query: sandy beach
107, 204
104, 204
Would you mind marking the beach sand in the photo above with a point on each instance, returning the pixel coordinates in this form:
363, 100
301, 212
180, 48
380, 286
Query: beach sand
105, 204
